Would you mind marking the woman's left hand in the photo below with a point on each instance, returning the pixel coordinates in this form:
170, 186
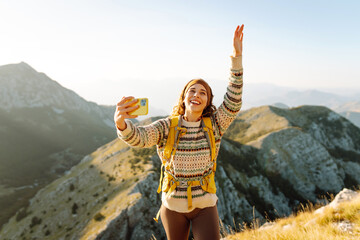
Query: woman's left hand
238, 37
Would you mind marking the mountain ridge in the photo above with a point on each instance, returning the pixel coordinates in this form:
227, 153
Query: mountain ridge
45, 129
271, 161
22, 86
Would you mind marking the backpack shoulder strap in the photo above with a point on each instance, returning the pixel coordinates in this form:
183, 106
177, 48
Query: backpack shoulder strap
168, 147
207, 121
171, 137
209, 132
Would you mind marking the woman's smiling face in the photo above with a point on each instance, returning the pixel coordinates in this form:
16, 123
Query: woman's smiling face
196, 98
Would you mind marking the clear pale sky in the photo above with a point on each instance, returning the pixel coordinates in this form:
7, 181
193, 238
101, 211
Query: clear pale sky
105, 49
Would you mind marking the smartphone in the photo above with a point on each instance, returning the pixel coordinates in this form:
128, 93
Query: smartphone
143, 107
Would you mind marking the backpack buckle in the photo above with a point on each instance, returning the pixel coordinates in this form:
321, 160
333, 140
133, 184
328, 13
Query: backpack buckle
203, 181
183, 183
172, 182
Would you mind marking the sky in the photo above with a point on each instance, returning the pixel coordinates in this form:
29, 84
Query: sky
107, 49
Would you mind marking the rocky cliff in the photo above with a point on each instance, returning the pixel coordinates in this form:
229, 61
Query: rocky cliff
271, 160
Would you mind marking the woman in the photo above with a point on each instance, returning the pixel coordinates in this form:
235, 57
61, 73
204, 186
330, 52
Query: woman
187, 202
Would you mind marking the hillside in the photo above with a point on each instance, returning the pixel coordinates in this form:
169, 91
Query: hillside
106, 185
354, 117
350, 110
338, 220
272, 161
45, 129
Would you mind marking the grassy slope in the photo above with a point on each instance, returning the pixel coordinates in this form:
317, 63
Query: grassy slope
310, 225
107, 190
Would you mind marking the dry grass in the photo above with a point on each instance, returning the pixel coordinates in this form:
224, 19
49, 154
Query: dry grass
340, 223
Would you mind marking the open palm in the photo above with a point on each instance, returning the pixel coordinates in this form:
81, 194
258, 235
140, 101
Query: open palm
238, 37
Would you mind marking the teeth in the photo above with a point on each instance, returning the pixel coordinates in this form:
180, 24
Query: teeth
195, 102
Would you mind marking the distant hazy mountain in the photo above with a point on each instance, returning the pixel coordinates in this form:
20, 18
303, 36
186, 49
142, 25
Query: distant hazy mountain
280, 105
268, 94
258, 94
354, 117
353, 106
153, 112
45, 129
24, 87
271, 161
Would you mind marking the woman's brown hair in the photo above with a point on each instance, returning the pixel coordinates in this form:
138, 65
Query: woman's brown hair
179, 109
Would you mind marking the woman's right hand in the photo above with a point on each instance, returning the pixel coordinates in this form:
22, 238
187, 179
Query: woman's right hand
122, 111
238, 39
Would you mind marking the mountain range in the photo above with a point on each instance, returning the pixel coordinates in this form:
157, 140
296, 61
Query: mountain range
271, 161
268, 94
45, 129
58, 150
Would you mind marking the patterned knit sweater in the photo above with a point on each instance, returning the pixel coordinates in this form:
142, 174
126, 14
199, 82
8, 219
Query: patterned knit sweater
193, 157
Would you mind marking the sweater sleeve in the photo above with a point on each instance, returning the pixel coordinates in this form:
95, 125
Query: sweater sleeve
231, 105
144, 136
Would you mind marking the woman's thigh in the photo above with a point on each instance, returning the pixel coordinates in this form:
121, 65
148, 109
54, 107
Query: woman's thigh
176, 225
205, 225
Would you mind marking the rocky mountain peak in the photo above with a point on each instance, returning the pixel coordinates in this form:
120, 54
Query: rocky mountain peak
23, 66
21, 86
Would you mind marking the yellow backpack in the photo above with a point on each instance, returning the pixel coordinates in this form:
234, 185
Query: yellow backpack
168, 182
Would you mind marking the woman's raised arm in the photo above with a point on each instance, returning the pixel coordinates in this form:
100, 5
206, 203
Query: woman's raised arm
232, 103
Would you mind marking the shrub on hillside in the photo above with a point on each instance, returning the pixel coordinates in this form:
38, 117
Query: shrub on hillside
35, 221
99, 217
74, 208
22, 213
111, 178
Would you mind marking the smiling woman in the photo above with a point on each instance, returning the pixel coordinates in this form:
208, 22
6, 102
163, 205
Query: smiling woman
188, 143
196, 99
196, 95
